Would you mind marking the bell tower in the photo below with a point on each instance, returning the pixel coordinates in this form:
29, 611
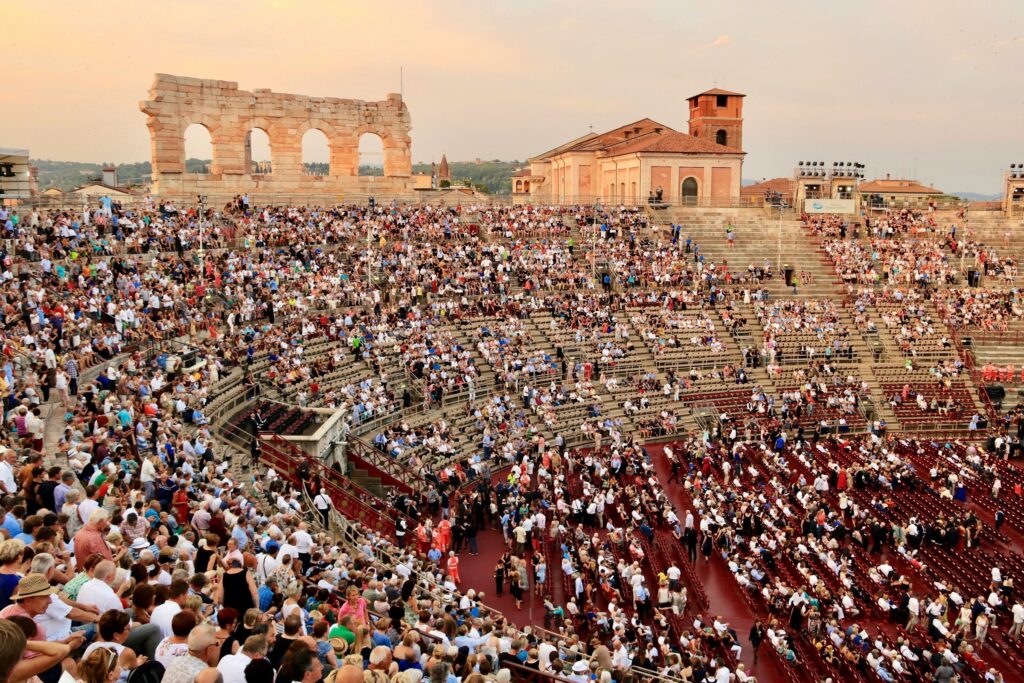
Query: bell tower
717, 115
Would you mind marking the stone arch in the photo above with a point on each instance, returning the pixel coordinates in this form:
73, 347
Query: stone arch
259, 151
526, 186
224, 155
197, 143
371, 153
722, 137
397, 145
316, 149
519, 186
230, 113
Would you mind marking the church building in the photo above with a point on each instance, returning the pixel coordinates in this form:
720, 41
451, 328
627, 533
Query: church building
646, 158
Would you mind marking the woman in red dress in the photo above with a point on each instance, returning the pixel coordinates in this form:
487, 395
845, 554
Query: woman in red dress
179, 503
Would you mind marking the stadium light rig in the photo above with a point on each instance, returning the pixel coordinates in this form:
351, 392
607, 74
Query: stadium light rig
838, 169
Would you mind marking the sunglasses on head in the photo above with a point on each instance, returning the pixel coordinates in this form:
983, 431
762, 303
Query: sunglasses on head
111, 658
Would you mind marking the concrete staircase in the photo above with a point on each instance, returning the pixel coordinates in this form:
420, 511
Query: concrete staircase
760, 239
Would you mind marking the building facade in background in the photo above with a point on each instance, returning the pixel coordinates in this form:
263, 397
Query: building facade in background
647, 161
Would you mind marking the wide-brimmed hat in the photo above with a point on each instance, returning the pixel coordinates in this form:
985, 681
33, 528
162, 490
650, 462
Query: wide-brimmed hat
33, 586
140, 543
340, 646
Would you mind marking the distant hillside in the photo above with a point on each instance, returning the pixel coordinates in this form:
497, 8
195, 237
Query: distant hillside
493, 176
489, 176
67, 175
977, 197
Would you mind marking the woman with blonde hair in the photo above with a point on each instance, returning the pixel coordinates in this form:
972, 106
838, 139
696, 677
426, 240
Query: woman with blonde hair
101, 666
293, 594
12, 555
194, 602
355, 605
362, 642
70, 508
407, 653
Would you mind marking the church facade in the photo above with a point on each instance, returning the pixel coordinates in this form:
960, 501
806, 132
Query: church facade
647, 159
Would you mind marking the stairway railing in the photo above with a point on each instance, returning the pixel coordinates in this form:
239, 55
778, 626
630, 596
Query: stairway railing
389, 470
350, 499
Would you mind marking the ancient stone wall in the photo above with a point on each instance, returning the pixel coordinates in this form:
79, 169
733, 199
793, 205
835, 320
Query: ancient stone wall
229, 114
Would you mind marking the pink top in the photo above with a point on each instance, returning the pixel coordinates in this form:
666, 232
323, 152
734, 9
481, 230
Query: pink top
359, 612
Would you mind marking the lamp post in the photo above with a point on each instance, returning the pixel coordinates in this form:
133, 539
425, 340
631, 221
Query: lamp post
778, 263
202, 251
369, 261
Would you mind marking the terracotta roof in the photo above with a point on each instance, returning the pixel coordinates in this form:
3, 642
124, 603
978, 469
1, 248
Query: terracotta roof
784, 186
896, 187
645, 135
119, 190
562, 148
670, 142
595, 142
717, 91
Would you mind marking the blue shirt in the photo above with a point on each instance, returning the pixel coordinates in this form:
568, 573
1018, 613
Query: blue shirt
12, 525
238, 533
266, 597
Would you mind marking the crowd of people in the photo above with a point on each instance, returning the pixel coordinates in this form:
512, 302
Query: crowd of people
138, 546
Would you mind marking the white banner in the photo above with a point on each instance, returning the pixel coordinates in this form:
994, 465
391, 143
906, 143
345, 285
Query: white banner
829, 206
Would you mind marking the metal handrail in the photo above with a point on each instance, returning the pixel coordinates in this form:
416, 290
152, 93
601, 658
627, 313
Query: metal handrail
393, 472
337, 478
346, 494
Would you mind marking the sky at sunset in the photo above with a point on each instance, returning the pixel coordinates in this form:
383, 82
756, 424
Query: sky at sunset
890, 84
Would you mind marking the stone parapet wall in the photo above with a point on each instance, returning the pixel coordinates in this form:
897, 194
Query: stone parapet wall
337, 187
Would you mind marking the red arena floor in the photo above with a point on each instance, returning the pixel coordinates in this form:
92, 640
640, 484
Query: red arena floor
725, 596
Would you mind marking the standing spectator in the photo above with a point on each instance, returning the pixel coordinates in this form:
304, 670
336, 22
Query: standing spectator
71, 368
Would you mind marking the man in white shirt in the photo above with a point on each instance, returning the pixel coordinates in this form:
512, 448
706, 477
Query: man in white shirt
323, 505
914, 611
85, 510
232, 667
620, 656
9, 459
403, 569
177, 592
98, 590
267, 562
56, 620
674, 574
147, 475
303, 545
1018, 620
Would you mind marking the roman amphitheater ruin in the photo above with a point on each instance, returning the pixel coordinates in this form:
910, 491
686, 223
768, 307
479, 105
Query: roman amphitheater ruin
230, 115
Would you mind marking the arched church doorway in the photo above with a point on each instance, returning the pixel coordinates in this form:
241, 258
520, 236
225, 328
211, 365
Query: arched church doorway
688, 192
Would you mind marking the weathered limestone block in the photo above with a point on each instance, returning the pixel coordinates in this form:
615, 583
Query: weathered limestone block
229, 114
